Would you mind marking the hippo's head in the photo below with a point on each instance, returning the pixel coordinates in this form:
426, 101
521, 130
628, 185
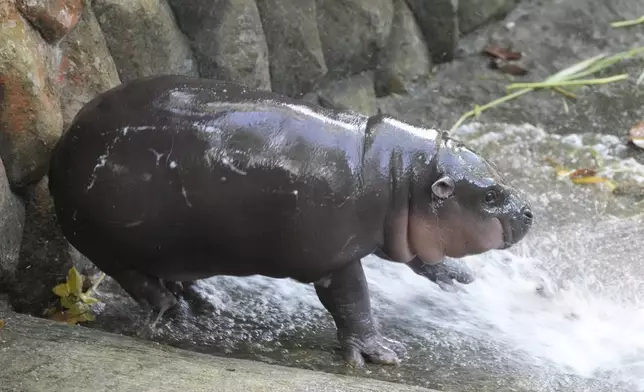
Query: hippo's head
460, 205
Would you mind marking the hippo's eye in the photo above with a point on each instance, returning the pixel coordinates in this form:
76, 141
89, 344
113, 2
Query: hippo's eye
490, 197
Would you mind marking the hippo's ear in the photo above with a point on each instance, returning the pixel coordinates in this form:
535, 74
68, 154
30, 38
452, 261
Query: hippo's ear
443, 187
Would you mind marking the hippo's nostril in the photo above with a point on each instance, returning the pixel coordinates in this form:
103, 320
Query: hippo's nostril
527, 213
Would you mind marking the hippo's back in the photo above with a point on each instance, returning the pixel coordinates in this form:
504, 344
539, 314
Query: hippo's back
170, 167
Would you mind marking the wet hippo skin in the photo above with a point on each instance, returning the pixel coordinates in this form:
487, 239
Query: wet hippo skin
171, 178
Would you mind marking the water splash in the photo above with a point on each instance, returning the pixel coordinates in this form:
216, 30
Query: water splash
568, 299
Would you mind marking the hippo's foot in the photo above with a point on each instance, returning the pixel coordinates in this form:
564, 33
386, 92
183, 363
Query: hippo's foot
146, 290
443, 273
375, 348
346, 296
187, 291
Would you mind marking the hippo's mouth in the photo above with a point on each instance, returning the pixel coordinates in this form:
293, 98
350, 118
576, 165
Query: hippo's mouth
507, 234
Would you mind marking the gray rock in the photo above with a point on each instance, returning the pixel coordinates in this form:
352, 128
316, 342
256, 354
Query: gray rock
86, 67
144, 39
438, 21
45, 254
406, 58
295, 50
353, 32
227, 39
91, 360
354, 93
475, 13
12, 220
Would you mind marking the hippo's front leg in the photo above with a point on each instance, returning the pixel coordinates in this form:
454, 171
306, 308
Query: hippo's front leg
443, 273
345, 295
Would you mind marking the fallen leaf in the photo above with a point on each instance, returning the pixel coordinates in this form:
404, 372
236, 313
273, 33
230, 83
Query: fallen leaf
501, 53
513, 69
580, 173
588, 180
636, 134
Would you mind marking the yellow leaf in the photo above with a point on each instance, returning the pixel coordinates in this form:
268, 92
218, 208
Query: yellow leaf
78, 308
588, 180
67, 302
74, 281
1, 324
61, 290
88, 299
88, 316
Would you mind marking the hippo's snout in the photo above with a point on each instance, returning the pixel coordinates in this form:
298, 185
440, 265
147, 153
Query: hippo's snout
526, 211
518, 226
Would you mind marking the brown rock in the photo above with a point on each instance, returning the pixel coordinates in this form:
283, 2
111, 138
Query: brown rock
144, 39
295, 50
30, 118
53, 18
86, 68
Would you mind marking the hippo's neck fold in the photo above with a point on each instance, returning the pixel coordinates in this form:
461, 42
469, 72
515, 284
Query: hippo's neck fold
394, 154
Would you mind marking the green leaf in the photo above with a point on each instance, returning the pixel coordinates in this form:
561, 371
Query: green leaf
67, 302
88, 299
75, 281
567, 72
61, 290
88, 316
78, 308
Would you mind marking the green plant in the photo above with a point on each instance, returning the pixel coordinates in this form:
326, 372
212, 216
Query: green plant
571, 76
76, 304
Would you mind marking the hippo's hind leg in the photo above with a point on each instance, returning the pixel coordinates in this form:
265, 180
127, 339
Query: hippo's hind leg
145, 290
187, 290
346, 296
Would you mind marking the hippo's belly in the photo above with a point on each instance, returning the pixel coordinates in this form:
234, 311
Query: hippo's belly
184, 200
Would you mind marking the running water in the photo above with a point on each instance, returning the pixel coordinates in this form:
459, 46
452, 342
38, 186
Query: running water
564, 298
561, 301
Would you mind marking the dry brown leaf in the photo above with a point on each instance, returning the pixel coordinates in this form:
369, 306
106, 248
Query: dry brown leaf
504, 54
580, 173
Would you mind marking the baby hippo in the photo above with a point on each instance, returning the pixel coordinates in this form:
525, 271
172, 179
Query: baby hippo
172, 178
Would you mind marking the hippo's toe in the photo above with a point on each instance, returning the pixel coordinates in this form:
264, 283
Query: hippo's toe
375, 348
444, 273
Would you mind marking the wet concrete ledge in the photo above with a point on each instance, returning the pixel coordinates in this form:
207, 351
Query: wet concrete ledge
40, 355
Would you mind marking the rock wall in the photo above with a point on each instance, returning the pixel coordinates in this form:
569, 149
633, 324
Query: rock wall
56, 55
